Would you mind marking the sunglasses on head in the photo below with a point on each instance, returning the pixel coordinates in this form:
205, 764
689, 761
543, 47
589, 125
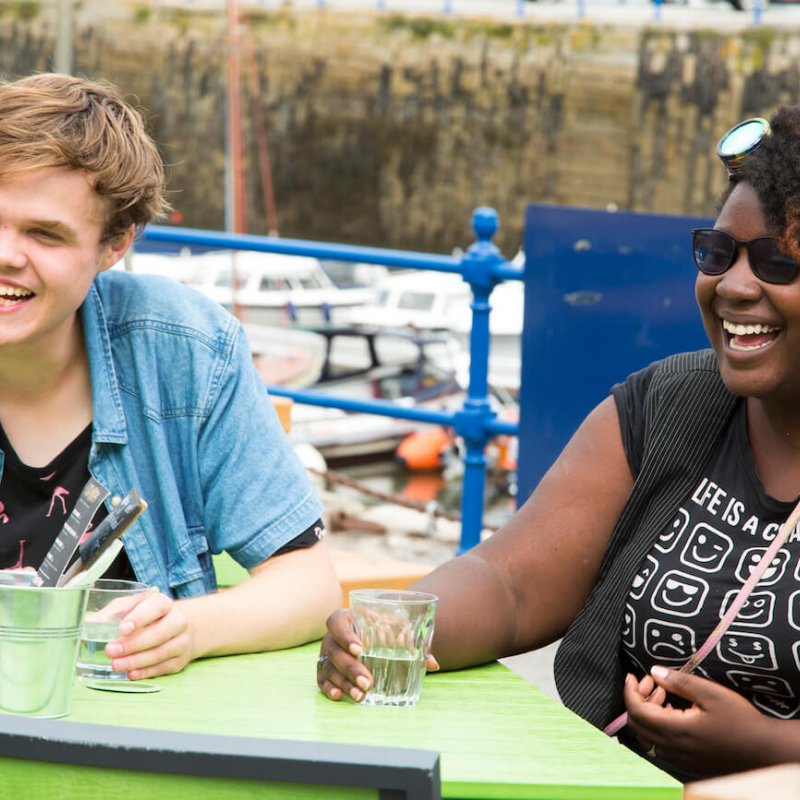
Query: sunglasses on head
740, 141
714, 251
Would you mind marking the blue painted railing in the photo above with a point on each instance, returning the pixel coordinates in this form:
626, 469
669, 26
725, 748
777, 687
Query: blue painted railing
482, 266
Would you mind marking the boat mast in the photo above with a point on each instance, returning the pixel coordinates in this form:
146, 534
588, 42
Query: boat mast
235, 195
235, 211
261, 137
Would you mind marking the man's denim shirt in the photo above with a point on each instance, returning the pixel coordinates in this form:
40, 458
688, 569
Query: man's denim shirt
181, 414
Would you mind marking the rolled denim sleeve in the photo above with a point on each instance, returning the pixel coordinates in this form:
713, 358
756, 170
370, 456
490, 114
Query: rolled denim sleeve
257, 493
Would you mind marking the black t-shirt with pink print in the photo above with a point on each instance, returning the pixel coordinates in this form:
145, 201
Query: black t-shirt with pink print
36, 501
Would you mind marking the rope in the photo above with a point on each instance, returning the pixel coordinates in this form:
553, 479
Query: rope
431, 508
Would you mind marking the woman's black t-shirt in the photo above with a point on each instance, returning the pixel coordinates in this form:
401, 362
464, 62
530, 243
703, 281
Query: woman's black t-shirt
697, 566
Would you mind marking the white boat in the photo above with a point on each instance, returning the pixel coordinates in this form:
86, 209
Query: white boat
264, 288
429, 300
408, 367
422, 362
284, 356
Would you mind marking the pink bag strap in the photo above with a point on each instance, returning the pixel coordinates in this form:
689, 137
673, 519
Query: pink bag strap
741, 598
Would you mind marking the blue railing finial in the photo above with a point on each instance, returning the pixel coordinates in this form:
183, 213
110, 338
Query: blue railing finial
485, 223
483, 257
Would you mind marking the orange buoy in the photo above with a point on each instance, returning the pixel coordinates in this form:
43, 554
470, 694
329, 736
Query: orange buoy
424, 449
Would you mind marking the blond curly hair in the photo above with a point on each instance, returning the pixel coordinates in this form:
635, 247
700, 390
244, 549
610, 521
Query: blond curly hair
55, 120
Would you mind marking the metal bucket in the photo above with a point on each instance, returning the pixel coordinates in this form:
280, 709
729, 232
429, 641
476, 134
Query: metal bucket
40, 631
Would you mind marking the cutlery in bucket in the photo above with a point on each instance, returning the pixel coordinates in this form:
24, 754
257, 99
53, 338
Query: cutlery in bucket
97, 545
65, 544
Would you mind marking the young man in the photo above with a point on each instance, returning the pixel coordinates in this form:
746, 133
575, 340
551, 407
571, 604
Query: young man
139, 383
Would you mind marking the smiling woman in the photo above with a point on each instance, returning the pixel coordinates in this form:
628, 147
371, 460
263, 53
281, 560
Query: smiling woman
655, 545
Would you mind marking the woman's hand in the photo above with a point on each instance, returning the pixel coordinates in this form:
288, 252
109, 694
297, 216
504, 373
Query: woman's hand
155, 638
339, 671
719, 733
648, 689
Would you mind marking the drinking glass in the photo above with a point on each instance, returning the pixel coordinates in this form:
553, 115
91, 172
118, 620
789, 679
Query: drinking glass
109, 602
395, 629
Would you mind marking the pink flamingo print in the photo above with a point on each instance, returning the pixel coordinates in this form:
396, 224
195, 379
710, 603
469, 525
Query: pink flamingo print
18, 565
3, 516
59, 493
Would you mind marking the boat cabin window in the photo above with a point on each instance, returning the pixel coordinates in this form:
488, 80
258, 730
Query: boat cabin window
268, 283
224, 278
419, 301
312, 281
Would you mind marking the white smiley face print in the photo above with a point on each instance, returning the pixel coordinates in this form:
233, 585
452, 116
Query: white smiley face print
643, 577
751, 558
669, 538
782, 707
759, 683
794, 610
706, 549
680, 594
629, 627
668, 641
747, 650
756, 612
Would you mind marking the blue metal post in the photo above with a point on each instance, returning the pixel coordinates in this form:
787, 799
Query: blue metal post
657, 5
472, 422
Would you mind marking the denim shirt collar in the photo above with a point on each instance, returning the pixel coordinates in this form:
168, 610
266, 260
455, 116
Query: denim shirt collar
108, 415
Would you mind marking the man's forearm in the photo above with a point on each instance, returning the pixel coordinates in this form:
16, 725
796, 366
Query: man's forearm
283, 603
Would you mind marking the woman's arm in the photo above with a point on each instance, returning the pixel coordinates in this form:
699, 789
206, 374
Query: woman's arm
522, 587
283, 603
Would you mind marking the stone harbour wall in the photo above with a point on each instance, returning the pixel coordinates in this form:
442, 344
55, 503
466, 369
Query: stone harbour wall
388, 130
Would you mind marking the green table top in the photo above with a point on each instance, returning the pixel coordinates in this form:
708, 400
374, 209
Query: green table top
498, 736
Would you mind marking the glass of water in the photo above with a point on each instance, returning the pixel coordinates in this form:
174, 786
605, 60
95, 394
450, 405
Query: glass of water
395, 629
109, 602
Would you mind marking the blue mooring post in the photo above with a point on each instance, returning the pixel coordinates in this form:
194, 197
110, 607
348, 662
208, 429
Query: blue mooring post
657, 5
478, 270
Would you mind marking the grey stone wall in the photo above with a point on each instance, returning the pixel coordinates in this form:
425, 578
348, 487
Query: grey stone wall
389, 130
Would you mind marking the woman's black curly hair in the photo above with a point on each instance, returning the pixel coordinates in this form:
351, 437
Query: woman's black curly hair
774, 172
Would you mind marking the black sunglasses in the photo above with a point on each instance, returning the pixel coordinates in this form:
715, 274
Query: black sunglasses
714, 251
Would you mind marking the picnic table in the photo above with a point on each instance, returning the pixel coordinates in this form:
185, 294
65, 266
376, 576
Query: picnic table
477, 733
